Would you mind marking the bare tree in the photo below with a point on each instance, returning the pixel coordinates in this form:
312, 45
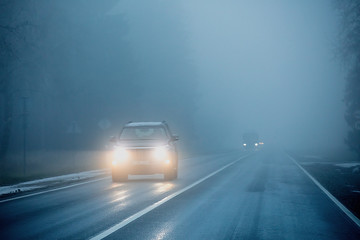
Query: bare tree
11, 33
350, 12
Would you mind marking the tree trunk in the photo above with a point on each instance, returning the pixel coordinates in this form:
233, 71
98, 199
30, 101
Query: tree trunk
7, 121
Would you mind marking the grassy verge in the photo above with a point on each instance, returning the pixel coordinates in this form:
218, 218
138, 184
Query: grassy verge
42, 164
338, 172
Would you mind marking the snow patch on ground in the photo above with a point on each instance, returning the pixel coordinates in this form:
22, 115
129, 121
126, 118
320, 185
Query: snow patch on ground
347, 165
16, 189
47, 182
312, 163
343, 165
313, 156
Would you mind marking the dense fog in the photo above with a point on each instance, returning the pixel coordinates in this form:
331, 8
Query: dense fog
212, 69
270, 67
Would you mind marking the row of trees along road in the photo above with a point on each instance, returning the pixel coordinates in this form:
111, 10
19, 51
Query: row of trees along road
350, 12
76, 66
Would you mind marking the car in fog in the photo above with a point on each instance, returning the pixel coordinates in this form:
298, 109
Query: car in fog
145, 148
251, 141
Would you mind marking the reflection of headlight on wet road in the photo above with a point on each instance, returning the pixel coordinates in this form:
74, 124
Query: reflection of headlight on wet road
160, 153
164, 187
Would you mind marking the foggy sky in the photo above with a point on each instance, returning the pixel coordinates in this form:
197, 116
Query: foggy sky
268, 66
213, 69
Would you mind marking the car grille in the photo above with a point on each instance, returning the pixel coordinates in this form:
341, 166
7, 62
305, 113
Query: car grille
141, 155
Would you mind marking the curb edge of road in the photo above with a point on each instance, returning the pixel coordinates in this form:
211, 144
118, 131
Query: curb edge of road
12, 196
327, 193
74, 184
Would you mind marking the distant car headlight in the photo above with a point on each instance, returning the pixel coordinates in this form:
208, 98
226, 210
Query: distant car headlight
120, 155
244, 144
160, 153
256, 144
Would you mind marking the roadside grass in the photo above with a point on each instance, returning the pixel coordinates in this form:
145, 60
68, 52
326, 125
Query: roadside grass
42, 164
337, 155
338, 171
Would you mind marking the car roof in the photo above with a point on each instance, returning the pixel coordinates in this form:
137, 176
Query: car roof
144, 124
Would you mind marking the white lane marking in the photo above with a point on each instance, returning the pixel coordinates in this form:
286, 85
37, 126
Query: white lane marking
52, 190
135, 216
339, 204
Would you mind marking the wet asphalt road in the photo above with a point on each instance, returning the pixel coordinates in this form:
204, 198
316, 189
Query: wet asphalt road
261, 196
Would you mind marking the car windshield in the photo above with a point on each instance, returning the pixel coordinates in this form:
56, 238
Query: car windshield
143, 133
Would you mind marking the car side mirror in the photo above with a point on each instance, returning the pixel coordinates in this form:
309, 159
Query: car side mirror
113, 139
174, 138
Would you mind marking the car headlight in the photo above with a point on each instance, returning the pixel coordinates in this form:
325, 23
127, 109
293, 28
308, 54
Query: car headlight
120, 154
256, 144
160, 153
244, 144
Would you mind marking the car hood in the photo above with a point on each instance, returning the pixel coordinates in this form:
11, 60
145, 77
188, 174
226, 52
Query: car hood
142, 143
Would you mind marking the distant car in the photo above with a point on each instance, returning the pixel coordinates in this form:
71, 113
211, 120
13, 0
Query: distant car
145, 148
251, 141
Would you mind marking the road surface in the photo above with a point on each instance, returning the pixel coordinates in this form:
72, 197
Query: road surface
262, 195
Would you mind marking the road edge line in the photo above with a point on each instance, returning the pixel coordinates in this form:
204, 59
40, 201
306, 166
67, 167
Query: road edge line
327, 193
140, 213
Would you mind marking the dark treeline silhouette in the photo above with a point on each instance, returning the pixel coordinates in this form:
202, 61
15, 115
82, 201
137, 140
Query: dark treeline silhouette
83, 76
350, 11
